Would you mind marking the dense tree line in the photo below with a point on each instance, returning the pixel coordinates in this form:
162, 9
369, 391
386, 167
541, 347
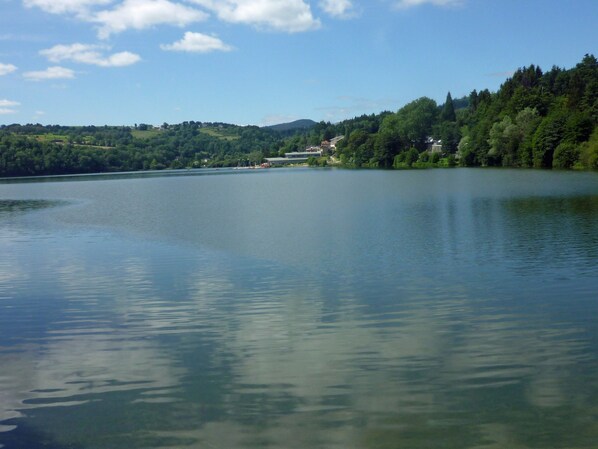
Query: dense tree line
536, 119
80, 135
27, 150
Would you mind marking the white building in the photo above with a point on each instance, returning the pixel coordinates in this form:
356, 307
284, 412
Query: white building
298, 157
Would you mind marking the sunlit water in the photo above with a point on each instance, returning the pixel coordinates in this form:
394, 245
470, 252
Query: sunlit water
300, 309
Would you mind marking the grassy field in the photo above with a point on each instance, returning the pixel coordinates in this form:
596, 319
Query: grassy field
148, 134
63, 140
47, 138
221, 133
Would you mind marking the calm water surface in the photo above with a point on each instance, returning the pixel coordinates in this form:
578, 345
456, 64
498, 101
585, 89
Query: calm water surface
300, 309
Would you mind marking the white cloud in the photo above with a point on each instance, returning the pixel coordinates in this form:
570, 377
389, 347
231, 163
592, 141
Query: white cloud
198, 43
292, 16
116, 16
5, 69
51, 73
6, 106
8, 103
404, 4
65, 6
337, 8
142, 14
89, 54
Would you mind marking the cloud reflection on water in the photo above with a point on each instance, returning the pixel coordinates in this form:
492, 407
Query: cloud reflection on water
288, 357
192, 347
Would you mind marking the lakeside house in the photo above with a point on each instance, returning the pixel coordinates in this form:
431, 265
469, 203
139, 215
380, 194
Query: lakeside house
298, 157
433, 145
329, 146
334, 141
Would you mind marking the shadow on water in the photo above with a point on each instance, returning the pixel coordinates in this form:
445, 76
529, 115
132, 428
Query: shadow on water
555, 230
110, 176
23, 436
576, 206
11, 207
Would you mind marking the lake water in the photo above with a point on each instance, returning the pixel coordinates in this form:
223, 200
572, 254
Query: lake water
299, 308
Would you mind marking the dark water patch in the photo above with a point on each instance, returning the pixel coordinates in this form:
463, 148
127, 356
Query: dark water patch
560, 233
10, 207
25, 436
111, 176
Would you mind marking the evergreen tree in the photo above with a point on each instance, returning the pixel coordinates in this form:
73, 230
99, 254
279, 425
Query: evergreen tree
448, 111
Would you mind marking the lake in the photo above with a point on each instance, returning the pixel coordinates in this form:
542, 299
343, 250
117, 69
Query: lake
300, 308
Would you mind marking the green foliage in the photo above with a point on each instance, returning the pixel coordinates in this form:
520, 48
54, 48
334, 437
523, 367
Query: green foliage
416, 120
546, 138
450, 135
220, 133
566, 155
145, 133
27, 150
389, 141
467, 158
317, 161
579, 127
406, 159
448, 110
530, 116
504, 142
589, 151
541, 119
450, 161
358, 150
527, 121
255, 157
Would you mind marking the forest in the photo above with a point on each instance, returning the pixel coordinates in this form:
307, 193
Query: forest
535, 119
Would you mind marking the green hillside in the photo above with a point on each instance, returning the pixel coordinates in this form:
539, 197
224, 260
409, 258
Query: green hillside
536, 119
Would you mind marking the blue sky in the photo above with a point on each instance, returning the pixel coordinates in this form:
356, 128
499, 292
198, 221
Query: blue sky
120, 62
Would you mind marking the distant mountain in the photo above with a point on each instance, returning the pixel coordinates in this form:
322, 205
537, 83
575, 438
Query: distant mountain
297, 125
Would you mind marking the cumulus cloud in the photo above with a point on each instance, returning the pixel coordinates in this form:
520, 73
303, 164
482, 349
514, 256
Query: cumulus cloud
142, 14
116, 16
51, 73
5, 69
7, 106
65, 6
404, 4
337, 8
197, 43
89, 54
7, 103
291, 16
